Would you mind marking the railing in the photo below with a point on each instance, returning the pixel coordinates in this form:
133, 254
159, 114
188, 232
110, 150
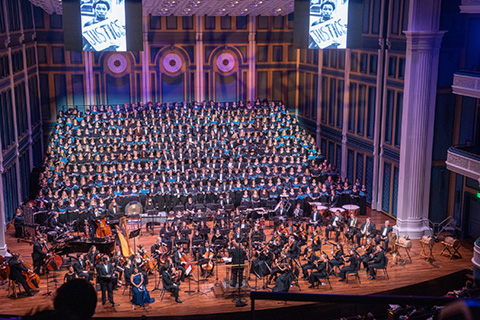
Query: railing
355, 299
464, 160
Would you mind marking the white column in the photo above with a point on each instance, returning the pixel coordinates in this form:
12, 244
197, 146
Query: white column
346, 110
146, 85
252, 58
319, 98
297, 83
199, 60
421, 70
3, 244
89, 87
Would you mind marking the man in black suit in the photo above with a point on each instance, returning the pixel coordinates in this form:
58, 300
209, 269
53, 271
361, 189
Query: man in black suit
336, 225
79, 267
38, 255
315, 218
384, 233
366, 230
333, 199
106, 279
377, 262
169, 283
350, 265
16, 269
311, 257
238, 256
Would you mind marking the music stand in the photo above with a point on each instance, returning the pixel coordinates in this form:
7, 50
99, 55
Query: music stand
133, 235
238, 293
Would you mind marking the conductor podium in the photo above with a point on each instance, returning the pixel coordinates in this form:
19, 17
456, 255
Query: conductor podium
227, 291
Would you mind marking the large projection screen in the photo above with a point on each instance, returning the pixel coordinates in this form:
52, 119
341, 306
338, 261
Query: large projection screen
103, 25
328, 24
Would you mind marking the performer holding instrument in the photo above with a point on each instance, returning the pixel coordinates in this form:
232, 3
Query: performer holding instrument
22, 273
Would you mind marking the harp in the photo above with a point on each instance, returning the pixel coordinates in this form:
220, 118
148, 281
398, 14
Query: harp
123, 237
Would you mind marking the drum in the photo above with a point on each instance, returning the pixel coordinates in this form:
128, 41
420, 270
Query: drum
452, 241
351, 208
407, 243
428, 240
333, 210
51, 236
134, 207
322, 210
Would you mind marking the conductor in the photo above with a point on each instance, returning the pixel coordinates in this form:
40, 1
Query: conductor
238, 256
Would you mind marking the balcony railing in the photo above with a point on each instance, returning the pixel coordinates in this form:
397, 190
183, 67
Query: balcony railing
466, 83
464, 160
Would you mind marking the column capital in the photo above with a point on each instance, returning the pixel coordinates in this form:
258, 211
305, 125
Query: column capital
423, 40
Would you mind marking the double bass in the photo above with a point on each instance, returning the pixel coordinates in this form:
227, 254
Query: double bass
4, 269
32, 279
103, 229
52, 260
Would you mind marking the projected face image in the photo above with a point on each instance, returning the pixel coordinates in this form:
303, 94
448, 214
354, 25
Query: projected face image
327, 10
328, 24
100, 10
103, 25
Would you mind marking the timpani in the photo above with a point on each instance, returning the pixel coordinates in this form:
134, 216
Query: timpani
333, 210
351, 208
322, 210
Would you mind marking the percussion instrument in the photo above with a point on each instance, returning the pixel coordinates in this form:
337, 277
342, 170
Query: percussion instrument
134, 207
322, 210
333, 210
351, 208
427, 243
405, 243
51, 236
450, 248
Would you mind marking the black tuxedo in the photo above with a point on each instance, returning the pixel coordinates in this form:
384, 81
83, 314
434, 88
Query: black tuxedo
169, 284
365, 230
238, 256
336, 225
378, 262
16, 269
383, 236
309, 265
37, 256
106, 279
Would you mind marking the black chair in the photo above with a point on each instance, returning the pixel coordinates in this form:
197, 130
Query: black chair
327, 279
385, 268
354, 272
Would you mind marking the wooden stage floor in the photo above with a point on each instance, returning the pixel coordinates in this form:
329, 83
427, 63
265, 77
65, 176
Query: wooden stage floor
205, 302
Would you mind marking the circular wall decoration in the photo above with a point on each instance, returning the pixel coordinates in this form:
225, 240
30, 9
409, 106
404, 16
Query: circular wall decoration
172, 62
117, 63
225, 62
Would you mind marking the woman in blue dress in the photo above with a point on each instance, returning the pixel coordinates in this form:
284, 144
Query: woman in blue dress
140, 293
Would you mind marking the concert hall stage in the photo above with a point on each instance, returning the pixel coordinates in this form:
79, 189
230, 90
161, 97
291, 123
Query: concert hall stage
204, 304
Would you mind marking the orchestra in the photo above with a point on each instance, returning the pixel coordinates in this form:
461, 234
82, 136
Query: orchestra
223, 205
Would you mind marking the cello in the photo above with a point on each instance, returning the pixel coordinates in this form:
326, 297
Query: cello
209, 264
